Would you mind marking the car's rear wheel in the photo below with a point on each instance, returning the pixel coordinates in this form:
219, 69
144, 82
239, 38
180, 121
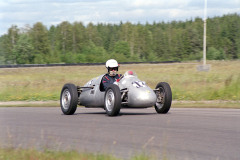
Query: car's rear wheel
164, 97
112, 100
69, 99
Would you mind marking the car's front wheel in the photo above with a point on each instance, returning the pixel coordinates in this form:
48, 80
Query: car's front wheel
112, 100
69, 99
164, 97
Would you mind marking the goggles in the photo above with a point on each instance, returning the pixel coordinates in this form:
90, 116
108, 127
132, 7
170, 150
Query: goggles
113, 69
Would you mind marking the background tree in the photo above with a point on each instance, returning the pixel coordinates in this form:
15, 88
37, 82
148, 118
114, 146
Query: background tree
122, 47
160, 41
40, 42
8, 43
23, 50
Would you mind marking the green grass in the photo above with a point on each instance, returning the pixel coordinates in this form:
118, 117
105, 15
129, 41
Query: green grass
32, 154
222, 82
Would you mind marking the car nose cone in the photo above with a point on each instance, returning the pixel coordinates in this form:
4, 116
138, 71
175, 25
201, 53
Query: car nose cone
142, 97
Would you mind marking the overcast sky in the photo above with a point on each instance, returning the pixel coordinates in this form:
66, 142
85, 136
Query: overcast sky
53, 12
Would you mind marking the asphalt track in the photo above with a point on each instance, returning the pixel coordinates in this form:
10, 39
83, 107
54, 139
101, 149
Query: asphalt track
182, 134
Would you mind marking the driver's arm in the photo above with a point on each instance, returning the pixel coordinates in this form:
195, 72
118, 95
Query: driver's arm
106, 81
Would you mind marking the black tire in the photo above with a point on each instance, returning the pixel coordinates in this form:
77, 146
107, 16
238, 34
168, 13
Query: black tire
112, 100
164, 97
69, 99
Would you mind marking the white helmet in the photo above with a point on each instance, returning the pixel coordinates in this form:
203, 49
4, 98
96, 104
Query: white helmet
112, 67
111, 63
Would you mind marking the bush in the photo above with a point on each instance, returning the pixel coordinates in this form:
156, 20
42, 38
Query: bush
53, 57
38, 59
69, 58
2, 60
214, 54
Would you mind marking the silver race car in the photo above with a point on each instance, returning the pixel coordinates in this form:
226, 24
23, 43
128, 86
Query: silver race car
129, 92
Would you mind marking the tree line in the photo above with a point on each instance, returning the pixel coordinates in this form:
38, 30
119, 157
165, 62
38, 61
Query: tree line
159, 41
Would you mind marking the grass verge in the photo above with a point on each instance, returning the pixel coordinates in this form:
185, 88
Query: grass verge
222, 82
175, 104
206, 104
30, 104
32, 154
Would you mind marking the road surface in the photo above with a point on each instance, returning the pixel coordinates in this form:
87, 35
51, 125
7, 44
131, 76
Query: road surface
182, 134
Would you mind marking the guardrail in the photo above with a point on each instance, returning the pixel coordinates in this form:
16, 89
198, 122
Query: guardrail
76, 64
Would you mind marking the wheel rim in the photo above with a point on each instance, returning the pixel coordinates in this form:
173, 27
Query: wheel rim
160, 98
109, 100
66, 99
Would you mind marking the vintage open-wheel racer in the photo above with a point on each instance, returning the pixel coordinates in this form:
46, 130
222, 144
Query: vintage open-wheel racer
129, 92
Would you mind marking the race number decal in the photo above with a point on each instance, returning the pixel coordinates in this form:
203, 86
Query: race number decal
139, 84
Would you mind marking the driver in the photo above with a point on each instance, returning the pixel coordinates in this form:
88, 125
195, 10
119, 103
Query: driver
111, 76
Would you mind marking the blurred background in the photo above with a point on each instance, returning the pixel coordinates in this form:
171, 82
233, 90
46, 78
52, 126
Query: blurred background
50, 32
42, 32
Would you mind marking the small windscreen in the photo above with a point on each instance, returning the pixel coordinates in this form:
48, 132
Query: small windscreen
130, 73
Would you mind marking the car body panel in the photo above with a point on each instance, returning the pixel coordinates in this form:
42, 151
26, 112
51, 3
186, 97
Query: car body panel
92, 97
139, 95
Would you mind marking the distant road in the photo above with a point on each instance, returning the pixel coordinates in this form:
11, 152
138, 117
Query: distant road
182, 134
